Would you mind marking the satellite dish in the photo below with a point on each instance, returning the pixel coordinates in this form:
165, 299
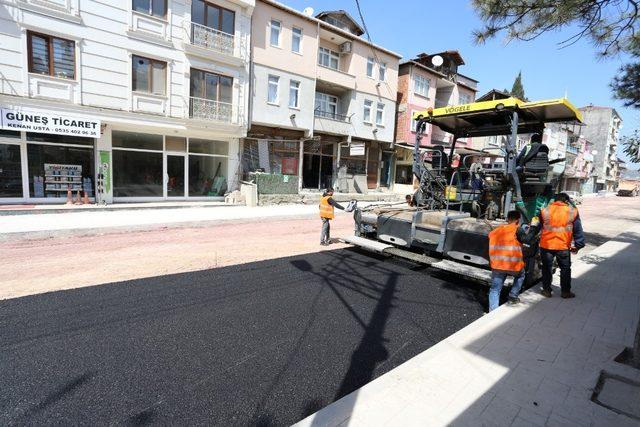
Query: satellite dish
437, 60
308, 11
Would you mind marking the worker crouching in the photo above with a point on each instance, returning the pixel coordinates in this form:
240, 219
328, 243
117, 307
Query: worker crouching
506, 258
327, 205
561, 235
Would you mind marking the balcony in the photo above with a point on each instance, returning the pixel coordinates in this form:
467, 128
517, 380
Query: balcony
210, 43
332, 116
209, 110
210, 38
336, 77
333, 123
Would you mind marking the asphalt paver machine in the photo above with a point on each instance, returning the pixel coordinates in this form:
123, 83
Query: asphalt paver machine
458, 200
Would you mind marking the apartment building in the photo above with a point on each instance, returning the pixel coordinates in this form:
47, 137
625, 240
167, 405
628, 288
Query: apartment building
427, 81
147, 98
322, 101
602, 129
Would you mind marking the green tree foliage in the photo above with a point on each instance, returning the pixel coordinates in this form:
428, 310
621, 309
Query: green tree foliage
517, 89
612, 26
632, 146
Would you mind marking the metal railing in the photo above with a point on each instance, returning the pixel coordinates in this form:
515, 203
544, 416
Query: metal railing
212, 39
332, 116
207, 109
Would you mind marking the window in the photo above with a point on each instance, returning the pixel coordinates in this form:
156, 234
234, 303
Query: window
367, 110
296, 40
213, 16
151, 7
275, 33
326, 105
10, 170
272, 94
51, 56
370, 63
421, 86
414, 123
328, 58
380, 113
211, 86
294, 91
44, 150
149, 75
464, 98
382, 71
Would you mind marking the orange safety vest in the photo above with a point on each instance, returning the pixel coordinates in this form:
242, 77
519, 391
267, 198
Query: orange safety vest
557, 226
505, 252
326, 210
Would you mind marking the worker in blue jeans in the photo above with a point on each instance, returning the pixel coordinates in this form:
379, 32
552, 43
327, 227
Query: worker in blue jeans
506, 259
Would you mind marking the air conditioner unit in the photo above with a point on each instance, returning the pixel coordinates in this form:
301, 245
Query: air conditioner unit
345, 47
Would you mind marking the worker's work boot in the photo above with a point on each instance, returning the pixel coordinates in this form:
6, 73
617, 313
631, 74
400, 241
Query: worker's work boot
546, 293
568, 294
513, 301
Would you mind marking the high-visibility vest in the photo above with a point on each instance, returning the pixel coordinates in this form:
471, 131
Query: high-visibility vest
326, 210
505, 252
557, 226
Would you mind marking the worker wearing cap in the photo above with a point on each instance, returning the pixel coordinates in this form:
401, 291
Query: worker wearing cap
327, 205
561, 235
506, 259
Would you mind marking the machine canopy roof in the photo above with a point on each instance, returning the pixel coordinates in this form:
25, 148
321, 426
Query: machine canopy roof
488, 118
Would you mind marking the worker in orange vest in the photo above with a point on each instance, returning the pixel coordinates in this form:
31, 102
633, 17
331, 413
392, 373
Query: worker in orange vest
327, 205
561, 236
506, 259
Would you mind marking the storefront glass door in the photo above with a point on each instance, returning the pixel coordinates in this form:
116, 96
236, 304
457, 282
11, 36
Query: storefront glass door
175, 182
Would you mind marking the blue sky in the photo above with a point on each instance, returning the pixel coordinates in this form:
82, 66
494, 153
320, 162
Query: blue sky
410, 27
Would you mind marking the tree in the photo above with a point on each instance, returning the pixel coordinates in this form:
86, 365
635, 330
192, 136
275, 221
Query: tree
517, 89
632, 146
612, 26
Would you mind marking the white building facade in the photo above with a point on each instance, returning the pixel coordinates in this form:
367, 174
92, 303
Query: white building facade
126, 100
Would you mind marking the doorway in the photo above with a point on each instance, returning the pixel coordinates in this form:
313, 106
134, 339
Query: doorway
175, 177
385, 169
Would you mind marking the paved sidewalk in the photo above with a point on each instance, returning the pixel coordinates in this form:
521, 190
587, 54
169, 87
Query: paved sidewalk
534, 364
140, 218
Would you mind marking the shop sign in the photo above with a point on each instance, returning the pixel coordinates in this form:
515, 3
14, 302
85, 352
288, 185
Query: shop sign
356, 150
49, 122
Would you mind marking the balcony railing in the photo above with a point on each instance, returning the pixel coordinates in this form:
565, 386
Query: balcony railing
213, 39
207, 109
332, 116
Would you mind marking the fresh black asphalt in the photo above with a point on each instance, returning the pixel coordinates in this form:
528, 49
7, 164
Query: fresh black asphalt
265, 343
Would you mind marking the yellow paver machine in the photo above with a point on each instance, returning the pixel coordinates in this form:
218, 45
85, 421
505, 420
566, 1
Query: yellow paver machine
458, 199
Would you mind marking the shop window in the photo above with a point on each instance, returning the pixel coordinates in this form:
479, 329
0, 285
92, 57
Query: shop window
59, 139
354, 165
204, 146
140, 141
284, 157
10, 134
175, 143
404, 174
207, 176
148, 75
51, 56
10, 171
53, 169
137, 174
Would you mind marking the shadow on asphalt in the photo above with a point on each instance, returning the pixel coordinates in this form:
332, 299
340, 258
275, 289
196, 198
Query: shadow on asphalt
263, 343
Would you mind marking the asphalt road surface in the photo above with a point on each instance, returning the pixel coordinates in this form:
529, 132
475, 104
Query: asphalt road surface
264, 343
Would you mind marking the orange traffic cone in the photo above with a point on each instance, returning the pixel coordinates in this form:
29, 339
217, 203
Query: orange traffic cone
69, 196
85, 199
79, 199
